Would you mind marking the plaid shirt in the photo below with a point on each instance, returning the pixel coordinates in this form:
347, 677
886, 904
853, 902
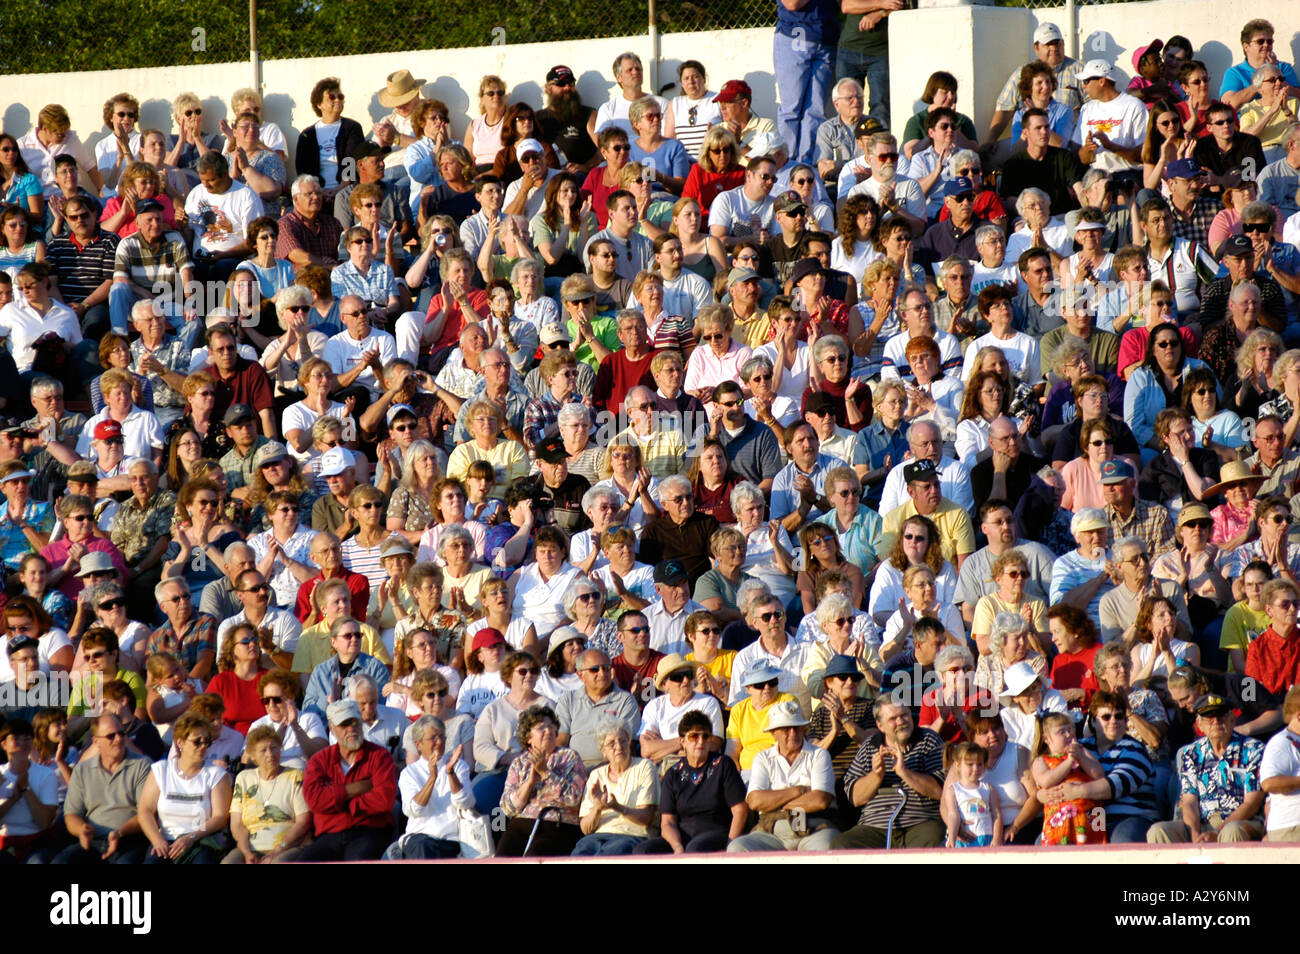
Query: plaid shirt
199, 636
1220, 782
375, 287
321, 241
173, 356
137, 528
541, 413
1195, 224
145, 265
1148, 521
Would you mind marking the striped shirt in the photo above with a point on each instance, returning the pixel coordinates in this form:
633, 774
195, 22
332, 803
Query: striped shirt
143, 264
365, 561
1130, 774
82, 268
924, 754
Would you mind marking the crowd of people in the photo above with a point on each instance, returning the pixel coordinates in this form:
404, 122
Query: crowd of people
657, 477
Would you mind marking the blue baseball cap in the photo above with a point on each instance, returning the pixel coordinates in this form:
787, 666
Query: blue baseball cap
958, 186
1116, 471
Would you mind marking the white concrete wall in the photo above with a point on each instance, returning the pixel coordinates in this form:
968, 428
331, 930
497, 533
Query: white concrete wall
453, 77
983, 45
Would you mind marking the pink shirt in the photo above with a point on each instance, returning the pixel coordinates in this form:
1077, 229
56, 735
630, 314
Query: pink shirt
1229, 522
56, 554
706, 370
1082, 486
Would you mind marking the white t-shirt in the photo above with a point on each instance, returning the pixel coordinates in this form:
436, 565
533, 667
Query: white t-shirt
735, 212
864, 253
478, 691
48, 645
299, 417
220, 222
281, 623
794, 379
613, 112
685, 295
343, 352
533, 204
1282, 760
23, 325
184, 804
327, 135
1021, 351
662, 716
141, 434
1004, 274
1123, 120
906, 191
40, 779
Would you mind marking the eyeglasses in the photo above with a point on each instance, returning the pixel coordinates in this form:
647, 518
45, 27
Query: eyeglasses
917, 537
1168, 343
1200, 524
637, 629
259, 588
354, 634
196, 111
1102, 443
964, 197
765, 177
680, 676
111, 736
527, 671
1252, 227
202, 742
720, 336
436, 694
494, 93
1017, 574
886, 157
126, 115
1286, 604
272, 700
604, 667
247, 641
1112, 716
1280, 518
835, 359
620, 148
96, 656
296, 309
708, 631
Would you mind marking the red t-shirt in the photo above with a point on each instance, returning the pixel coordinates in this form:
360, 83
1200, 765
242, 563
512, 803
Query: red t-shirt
243, 701
987, 206
1274, 661
638, 680
249, 385
704, 187
357, 584
451, 328
953, 729
617, 375
1074, 671
594, 186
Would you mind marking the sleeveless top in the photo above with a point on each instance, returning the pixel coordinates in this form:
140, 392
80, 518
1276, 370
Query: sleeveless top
704, 268
184, 804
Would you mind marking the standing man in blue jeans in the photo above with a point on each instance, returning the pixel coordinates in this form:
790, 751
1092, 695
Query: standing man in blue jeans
802, 55
864, 50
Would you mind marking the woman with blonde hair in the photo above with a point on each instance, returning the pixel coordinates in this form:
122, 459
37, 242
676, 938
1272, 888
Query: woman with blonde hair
485, 129
1259, 369
717, 170
139, 182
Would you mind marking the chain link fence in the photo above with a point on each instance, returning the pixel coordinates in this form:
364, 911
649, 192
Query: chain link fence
44, 37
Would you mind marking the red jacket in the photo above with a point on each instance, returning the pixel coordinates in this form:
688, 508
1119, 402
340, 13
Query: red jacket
357, 584
331, 809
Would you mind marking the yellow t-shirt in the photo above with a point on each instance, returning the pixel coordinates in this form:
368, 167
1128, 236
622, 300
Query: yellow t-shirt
638, 787
720, 668
956, 534
508, 459
748, 726
990, 605
471, 585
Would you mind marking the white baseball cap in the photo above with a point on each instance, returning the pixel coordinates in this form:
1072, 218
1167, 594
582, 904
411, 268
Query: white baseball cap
1096, 69
1047, 33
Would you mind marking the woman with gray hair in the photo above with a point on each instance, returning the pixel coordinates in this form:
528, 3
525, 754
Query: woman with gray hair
531, 305
109, 603
584, 604
286, 354
621, 799
768, 547
1272, 114
1009, 643
944, 708
719, 357
601, 505
585, 456
434, 788
841, 629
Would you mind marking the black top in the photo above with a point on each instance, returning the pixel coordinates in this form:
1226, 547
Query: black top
662, 539
701, 799
444, 200
307, 158
942, 241
1056, 173
1018, 478
1067, 446
570, 138
1162, 479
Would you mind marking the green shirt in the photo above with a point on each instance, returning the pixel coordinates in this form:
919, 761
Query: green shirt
606, 330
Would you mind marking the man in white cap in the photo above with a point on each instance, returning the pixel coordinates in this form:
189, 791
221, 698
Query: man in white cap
1112, 125
792, 787
525, 195
1049, 46
351, 788
332, 512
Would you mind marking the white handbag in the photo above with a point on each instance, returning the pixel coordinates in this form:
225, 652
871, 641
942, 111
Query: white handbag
475, 835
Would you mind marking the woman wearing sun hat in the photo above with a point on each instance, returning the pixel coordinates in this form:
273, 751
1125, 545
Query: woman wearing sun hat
675, 679
1238, 486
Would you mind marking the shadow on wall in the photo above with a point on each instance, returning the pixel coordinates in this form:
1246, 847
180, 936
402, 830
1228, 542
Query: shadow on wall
17, 120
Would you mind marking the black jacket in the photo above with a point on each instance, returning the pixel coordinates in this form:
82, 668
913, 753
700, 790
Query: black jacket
307, 156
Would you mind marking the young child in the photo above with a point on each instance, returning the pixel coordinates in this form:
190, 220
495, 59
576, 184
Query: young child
1060, 758
969, 803
169, 692
480, 478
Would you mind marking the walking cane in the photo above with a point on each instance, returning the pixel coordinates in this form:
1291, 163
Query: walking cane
889, 831
533, 834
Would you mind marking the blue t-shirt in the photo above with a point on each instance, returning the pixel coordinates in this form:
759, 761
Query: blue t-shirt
670, 158
819, 21
23, 188
1238, 77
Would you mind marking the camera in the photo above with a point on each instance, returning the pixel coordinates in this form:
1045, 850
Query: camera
1024, 404
1280, 405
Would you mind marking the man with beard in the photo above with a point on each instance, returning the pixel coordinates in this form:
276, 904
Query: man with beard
567, 124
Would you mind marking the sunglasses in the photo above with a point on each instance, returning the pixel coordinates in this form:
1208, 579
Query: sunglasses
770, 684
774, 614
115, 603
680, 676
602, 668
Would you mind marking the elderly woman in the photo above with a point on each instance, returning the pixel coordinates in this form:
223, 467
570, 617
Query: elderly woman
768, 547
1082, 475
1025, 701
545, 780
537, 589
302, 734
1262, 372
720, 356
286, 357
1148, 721
666, 159
621, 800
584, 604
1010, 641
1271, 114
463, 577
841, 629
1010, 573
1075, 637
324, 145
830, 375
1195, 566
445, 627
1156, 384
435, 789
623, 471
1020, 350
496, 730
448, 499
107, 603
188, 144
716, 589
857, 527
917, 544
944, 707
600, 504
269, 815
185, 803
508, 458
317, 381
409, 509
585, 455
920, 598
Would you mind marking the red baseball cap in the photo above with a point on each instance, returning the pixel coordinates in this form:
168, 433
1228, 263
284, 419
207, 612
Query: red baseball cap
487, 637
108, 430
733, 89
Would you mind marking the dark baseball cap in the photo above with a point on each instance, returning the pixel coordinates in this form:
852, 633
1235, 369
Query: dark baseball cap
805, 267
789, 201
148, 205
551, 449
1210, 704
867, 126
557, 73
819, 402
920, 470
1237, 245
670, 572
238, 412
